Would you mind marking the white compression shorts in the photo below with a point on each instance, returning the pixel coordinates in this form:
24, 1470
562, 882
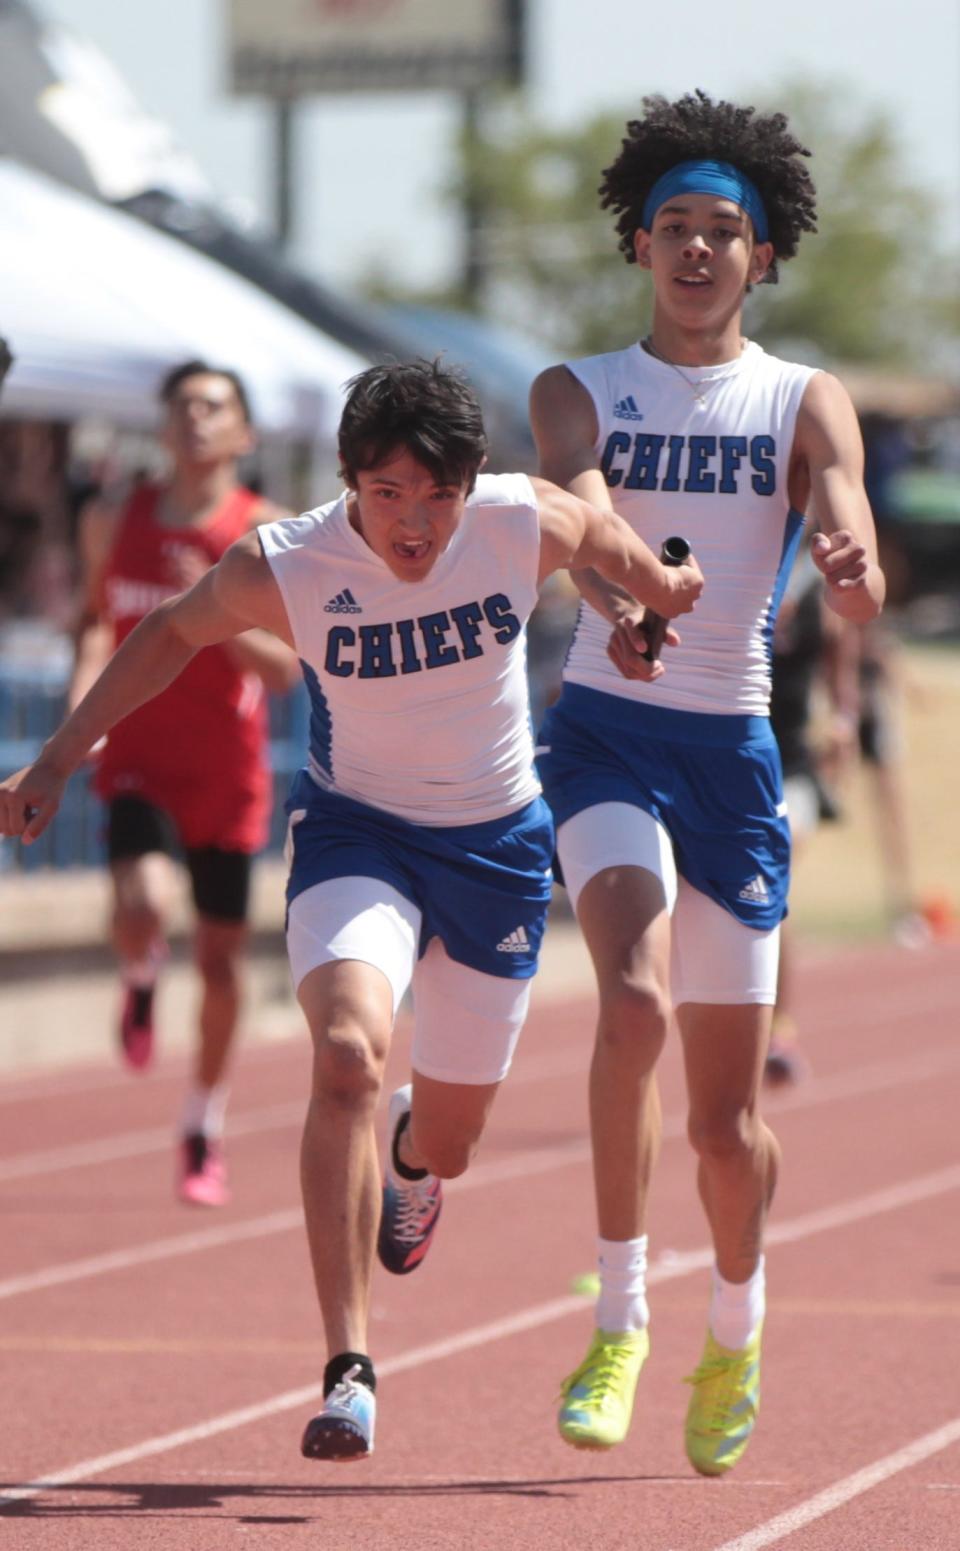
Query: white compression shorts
714, 958
466, 1024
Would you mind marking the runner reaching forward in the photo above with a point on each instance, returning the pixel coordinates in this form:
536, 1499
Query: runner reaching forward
420, 844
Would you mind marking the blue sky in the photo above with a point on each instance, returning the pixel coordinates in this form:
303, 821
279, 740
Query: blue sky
373, 168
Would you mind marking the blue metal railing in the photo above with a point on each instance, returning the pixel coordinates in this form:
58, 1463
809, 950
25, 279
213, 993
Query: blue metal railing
33, 686
32, 704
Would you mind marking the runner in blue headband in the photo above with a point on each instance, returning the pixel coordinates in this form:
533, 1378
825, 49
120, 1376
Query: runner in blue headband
664, 778
705, 177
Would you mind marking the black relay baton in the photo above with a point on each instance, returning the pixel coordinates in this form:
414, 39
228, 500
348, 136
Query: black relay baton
673, 551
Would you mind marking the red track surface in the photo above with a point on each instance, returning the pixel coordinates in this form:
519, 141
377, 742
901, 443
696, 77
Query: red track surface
157, 1397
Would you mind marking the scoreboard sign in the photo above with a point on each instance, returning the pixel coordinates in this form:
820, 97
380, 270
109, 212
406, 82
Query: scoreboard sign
292, 48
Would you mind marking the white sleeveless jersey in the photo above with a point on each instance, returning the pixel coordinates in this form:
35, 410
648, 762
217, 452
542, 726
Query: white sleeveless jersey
418, 689
713, 471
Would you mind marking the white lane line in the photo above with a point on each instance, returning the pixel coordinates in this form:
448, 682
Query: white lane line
435, 1351
873, 1078
67, 1082
923, 1001
24, 1090
144, 1254
521, 1166
276, 1117
922, 1188
496, 1330
136, 1144
844, 1491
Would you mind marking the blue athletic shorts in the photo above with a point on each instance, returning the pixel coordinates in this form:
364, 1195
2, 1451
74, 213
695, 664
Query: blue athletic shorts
483, 889
713, 782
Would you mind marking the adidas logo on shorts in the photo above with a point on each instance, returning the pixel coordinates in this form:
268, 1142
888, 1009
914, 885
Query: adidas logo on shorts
515, 942
343, 603
755, 890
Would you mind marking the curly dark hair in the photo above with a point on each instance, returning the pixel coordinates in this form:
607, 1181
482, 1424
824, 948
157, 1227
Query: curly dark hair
695, 128
420, 407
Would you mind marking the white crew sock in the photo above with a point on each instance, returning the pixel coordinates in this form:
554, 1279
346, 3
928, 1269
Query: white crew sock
139, 973
622, 1304
142, 973
736, 1308
203, 1112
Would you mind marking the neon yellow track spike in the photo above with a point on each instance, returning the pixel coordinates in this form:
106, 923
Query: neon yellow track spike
724, 1405
597, 1398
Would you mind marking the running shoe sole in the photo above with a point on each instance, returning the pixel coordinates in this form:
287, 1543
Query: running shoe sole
333, 1438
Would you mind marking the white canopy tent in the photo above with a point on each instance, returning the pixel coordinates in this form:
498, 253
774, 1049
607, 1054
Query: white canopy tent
96, 307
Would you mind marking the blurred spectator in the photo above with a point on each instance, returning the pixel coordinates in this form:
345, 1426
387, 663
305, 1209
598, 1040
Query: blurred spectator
881, 748
813, 650
20, 534
887, 450
35, 552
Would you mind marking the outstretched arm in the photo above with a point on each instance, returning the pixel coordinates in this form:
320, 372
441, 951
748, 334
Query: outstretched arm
255, 651
237, 594
576, 535
845, 550
277, 668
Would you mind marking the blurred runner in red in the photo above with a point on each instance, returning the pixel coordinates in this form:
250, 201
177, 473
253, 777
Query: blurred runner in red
186, 775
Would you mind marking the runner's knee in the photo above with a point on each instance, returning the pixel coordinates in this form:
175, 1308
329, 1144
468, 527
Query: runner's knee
634, 1014
136, 925
349, 1057
723, 1132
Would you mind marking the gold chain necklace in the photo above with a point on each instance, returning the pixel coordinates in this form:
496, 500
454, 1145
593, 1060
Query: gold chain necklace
693, 384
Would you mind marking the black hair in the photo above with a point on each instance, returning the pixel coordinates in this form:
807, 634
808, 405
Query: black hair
695, 128
420, 407
198, 368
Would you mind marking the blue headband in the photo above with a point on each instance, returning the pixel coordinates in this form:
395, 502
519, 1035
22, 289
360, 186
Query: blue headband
708, 178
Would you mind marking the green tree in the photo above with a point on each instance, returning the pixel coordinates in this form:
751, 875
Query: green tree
871, 287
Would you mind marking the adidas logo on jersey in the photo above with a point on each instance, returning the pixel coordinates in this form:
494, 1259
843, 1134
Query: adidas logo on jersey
515, 942
755, 890
626, 409
343, 603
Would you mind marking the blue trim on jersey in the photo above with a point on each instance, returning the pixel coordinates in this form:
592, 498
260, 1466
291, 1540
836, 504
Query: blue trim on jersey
321, 724
713, 782
483, 889
792, 534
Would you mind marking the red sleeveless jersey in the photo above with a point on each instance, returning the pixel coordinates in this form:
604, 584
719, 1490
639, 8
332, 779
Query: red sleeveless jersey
198, 749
